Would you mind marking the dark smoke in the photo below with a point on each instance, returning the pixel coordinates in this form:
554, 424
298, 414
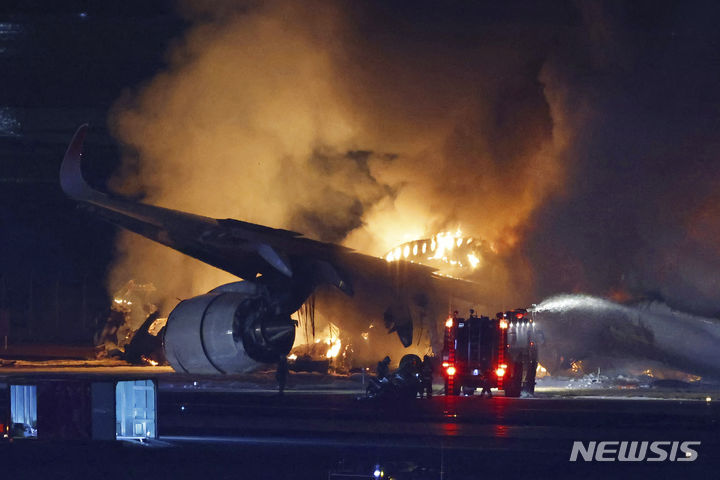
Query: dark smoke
640, 214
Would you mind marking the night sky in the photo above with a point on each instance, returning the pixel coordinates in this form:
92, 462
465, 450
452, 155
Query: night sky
61, 68
623, 99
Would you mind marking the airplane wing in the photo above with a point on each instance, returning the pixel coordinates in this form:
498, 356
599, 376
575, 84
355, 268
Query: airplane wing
241, 248
248, 250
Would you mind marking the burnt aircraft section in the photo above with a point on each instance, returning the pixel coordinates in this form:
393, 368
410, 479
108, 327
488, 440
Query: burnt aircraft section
232, 328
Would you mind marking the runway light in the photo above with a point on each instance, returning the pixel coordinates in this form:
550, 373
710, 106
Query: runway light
449, 323
500, 372
451, 370
503, 324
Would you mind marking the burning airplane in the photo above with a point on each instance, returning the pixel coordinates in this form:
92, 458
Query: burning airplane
238, 325
444, 251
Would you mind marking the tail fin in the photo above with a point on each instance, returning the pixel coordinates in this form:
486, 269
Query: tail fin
71, 178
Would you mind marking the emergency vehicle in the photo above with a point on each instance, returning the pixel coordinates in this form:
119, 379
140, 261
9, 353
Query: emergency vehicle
498, 352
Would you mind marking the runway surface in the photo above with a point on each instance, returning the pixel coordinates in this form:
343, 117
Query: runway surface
321, 435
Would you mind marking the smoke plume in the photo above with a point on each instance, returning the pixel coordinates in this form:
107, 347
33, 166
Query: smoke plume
548, 131
348, 124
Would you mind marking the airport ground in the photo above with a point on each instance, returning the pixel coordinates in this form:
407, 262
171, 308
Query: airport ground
241, 428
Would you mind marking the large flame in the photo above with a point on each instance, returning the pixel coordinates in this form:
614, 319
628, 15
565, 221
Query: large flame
326, 334
334, 347
451, 249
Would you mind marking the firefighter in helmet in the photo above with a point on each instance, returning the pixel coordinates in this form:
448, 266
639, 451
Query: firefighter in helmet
486, 386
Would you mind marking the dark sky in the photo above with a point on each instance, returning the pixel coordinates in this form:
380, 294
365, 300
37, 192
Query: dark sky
637, 210
640, 212
63, 64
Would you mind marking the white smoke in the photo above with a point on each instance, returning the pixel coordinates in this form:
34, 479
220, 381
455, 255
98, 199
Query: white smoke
611, 336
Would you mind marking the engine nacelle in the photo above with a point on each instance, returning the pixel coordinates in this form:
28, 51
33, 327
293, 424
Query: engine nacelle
226, 332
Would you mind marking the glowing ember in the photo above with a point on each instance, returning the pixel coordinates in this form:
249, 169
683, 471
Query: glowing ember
149, 361
576, 366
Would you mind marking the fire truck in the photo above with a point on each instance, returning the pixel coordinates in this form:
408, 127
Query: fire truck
498, 352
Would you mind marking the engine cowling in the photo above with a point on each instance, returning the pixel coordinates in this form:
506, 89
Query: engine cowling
226, 332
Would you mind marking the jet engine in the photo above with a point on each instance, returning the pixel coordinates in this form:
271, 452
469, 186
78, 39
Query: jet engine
226, 332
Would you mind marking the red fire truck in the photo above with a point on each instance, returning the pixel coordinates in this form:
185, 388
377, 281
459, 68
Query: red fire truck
498, 353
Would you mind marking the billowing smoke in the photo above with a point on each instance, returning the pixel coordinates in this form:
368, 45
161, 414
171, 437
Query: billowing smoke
565, 136
639, 217
350, 124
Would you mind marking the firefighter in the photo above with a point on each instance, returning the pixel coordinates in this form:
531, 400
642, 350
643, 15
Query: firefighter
427, 377
485, 387
281, 374
383, 368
